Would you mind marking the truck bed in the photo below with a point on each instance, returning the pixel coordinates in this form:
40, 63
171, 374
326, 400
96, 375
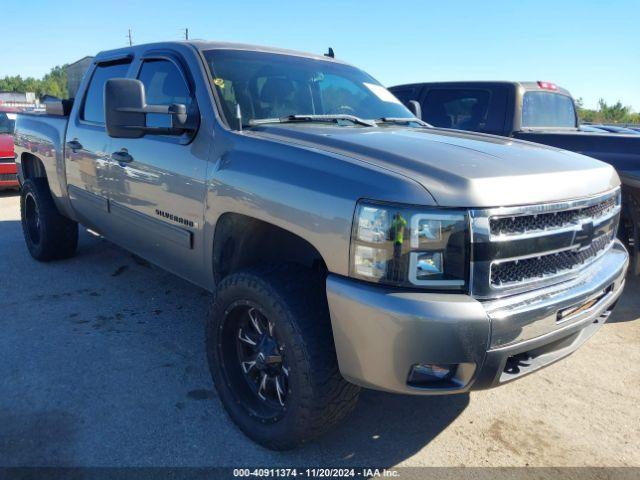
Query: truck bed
621, 151
43, 135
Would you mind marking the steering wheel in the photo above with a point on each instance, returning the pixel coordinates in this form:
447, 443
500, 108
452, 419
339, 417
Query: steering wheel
343, 110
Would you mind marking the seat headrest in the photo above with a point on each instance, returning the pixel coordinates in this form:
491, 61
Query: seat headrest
276, 89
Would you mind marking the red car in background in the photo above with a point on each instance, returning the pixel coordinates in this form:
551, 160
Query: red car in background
8, 177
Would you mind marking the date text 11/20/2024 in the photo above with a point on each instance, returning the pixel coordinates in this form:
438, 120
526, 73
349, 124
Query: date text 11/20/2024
315, 473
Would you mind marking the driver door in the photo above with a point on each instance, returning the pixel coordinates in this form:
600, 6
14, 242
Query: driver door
158, 185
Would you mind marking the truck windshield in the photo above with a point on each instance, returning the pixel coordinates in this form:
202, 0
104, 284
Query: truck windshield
275, 86
544, 109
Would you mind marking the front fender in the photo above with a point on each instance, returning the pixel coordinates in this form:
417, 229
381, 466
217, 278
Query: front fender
307, 192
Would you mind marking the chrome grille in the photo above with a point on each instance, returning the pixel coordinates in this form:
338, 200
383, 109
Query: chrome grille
517, 249
532, 269
540, 222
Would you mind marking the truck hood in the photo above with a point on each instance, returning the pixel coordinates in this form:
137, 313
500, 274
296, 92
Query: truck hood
461, 169
6, 145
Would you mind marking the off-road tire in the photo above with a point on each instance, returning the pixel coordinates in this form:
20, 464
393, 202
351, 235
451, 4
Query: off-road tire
52, 236
318, 397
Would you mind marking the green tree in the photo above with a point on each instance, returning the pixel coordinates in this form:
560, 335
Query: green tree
585, 114
616, 113
53, 83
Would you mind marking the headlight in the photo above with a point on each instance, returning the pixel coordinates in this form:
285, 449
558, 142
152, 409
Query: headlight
408, 246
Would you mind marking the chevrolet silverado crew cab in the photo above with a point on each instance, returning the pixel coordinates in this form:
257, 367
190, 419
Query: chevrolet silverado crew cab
540, 112
347, 244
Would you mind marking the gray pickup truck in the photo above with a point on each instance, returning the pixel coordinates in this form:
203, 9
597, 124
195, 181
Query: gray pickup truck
347, 243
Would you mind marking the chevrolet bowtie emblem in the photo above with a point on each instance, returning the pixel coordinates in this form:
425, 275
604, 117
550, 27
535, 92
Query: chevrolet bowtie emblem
584, 236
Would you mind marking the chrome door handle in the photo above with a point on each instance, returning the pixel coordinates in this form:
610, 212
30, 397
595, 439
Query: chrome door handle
74, 145
122, 156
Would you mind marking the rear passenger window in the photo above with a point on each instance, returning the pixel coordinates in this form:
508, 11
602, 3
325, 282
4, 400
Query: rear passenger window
93, 110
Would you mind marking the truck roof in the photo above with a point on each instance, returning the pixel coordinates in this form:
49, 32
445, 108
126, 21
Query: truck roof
214, 45
526, 85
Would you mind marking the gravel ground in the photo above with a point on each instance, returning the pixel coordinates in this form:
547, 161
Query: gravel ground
103, 364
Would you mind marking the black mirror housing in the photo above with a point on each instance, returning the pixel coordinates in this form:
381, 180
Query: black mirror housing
124, 104
415, 108
126, 111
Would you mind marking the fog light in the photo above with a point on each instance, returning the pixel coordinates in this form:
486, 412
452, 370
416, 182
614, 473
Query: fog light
425, 374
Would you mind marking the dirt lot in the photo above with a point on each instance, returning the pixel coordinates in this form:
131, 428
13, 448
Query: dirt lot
103, 364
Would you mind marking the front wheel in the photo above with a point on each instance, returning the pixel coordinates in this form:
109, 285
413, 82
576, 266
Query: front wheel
272, 358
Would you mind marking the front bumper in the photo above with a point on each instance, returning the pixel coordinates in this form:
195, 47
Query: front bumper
8, 177
380, 334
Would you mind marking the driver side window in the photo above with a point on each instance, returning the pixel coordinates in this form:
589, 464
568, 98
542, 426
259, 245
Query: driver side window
163, 85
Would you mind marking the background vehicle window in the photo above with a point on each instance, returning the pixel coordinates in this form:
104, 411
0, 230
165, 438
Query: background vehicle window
405, 94
93, 110
475, 110
544, 109
460, 109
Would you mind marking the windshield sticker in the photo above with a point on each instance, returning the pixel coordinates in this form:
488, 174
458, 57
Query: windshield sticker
382, 93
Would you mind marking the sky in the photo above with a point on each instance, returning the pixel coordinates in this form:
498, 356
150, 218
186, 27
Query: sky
589, 47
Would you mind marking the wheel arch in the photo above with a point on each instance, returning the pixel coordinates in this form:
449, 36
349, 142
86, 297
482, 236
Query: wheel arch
32, 167
241, 241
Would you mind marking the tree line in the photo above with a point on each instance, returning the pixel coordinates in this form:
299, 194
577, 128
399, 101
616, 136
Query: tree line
616, 113
53, 83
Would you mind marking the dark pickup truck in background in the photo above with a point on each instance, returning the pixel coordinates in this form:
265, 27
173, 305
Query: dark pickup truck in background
540, 112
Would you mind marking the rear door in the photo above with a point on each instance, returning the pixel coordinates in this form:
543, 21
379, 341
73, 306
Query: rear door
157, 196
87, 149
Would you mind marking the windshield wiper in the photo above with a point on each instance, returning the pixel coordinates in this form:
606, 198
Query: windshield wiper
401, 120
314, 118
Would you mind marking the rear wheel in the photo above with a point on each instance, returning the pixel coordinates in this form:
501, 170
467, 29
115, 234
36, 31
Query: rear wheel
272, 358
48, 234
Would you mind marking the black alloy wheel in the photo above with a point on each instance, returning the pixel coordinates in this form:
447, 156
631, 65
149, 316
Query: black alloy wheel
257, 362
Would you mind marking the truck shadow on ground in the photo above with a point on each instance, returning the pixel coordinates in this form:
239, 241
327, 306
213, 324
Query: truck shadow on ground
629, 304
9, 193
387, 429
27, 438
